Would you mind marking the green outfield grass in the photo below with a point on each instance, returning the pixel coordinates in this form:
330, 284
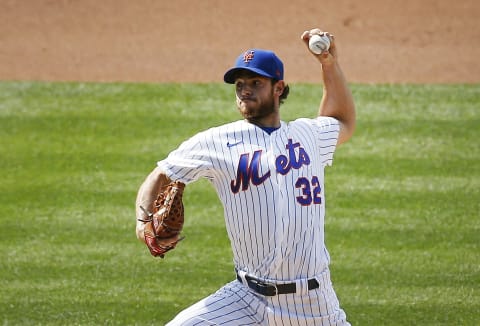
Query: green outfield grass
403, 198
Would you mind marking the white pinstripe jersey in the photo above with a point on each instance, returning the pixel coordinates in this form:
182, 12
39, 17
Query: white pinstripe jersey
272, 190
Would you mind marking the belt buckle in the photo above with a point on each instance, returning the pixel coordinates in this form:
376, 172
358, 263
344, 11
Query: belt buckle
266, 286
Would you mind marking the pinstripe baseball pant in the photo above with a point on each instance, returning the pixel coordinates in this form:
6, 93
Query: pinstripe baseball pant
236, 304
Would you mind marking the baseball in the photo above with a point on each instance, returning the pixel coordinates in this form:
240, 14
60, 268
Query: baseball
319, 44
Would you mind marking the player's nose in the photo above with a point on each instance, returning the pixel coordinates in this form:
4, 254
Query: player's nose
244, 91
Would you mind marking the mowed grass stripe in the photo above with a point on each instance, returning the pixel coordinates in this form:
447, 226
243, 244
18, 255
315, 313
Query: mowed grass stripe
402, 203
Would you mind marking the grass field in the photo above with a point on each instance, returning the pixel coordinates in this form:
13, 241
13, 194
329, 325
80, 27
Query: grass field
403, 197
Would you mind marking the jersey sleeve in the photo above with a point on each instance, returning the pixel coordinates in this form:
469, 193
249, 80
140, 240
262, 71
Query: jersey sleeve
328, 131
189, 162
325, 131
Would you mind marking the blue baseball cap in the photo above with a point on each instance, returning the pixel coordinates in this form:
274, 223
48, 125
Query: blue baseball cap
262, 62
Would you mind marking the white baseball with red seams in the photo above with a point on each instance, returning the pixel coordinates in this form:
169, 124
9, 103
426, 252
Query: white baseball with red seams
319, 43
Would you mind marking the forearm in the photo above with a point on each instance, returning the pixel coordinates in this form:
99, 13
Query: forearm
337, 100
146, 196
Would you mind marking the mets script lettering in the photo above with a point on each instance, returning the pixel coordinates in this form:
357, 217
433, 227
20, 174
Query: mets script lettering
284, 163
248, 169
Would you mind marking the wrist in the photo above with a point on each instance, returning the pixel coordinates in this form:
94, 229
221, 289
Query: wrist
140, 231
329, 64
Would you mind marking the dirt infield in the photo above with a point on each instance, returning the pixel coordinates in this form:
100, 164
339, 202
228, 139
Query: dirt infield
380, 41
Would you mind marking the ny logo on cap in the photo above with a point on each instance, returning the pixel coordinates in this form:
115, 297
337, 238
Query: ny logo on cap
248, 56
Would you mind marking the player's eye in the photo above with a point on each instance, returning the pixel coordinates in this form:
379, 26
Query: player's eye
238, 85
257, 83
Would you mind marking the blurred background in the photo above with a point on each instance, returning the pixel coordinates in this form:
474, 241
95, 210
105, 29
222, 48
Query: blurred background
380, 41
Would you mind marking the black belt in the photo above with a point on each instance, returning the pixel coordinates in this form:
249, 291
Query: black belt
271, 289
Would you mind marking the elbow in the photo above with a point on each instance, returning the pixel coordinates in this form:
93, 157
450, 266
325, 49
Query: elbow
351, 128
350, 123
347, 129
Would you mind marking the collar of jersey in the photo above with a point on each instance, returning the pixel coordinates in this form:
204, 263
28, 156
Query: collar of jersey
269, 130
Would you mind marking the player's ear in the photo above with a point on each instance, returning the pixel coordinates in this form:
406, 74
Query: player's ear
279, 86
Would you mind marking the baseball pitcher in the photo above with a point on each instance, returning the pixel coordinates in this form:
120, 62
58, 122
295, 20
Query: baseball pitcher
269, 176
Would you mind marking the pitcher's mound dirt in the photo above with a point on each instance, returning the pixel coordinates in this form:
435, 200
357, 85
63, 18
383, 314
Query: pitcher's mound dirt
380, 41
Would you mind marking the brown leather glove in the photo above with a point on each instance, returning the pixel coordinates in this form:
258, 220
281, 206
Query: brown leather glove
164, 224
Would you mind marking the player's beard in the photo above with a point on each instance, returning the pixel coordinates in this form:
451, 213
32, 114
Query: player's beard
254, 112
